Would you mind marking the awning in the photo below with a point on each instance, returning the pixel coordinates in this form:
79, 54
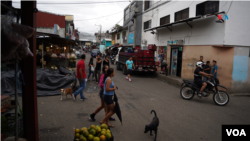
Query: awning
54, 39
182, 21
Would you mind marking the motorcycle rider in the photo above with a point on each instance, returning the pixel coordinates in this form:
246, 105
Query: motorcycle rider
198, 77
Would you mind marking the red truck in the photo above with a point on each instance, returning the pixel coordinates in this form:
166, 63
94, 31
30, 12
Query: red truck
144, 60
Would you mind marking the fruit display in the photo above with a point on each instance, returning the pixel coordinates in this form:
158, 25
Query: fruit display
93, 133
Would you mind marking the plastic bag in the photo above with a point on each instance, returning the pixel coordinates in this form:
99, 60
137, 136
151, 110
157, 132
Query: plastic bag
14, 42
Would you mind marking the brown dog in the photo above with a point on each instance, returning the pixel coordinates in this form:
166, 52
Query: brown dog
67, 91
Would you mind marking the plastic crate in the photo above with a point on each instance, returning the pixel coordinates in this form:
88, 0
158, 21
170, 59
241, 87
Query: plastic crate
151, 59
111, 139
145, 59
152, 47
151, 63
138, 48
140, 58
140, 63
156, 63
145, 63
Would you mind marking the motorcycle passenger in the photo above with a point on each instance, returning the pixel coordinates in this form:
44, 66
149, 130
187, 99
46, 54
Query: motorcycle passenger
198, 77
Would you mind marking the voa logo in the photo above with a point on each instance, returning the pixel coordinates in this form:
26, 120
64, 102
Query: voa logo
236, 132
224, 17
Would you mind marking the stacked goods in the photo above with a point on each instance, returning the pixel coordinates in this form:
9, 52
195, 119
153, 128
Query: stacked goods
54, 55
14, 39
62, 56
93, 133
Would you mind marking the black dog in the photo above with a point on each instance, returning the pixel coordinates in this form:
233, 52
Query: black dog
153, 125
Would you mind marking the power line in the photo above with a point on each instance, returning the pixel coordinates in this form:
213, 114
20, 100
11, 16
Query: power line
81, 3
98, 17
229, 6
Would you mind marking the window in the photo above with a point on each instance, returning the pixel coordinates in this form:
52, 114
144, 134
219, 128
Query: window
147, 24
183, 14
131, 28
124, 36
146, 5
126, 16
165, 20
118, 36
113, 37
208, 7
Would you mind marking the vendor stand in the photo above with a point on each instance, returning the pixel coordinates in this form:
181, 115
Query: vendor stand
54, 51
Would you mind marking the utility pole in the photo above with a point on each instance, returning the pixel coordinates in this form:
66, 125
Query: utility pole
100, 32
135, 12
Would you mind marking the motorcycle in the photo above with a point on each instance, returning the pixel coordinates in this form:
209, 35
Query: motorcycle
189, 89
112, 58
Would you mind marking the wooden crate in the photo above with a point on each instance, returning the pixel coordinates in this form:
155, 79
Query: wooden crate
5, 102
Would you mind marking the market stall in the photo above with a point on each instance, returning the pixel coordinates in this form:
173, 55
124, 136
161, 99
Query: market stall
54, 51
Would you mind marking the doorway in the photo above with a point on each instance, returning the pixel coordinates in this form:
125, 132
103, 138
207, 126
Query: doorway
176, 60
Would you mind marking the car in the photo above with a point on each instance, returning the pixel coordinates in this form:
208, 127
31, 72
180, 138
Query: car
94, 52
77, 54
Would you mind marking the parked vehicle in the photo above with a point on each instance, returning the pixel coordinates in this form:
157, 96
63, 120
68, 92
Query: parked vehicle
94, 52
143, 59
189, 89
77, 54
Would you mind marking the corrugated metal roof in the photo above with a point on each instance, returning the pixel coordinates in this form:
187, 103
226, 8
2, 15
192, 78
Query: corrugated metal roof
45, 19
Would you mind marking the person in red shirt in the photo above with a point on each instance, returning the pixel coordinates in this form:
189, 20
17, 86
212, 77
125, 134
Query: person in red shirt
81, 75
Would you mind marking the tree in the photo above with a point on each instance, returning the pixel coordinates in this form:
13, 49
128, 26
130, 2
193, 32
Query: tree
117, 27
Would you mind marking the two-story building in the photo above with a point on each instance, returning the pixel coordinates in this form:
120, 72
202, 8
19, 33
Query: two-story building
216, 30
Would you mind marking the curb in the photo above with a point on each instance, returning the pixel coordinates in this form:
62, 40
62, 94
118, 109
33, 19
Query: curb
175, 81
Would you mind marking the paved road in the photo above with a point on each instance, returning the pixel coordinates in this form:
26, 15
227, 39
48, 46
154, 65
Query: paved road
193, 120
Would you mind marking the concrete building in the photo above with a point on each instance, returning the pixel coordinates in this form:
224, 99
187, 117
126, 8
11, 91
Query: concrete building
130, 14
50, 23
69, 25
217, 30
99, 37
106, 42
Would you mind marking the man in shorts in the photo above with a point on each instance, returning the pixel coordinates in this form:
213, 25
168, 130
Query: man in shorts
198, 73
130, 66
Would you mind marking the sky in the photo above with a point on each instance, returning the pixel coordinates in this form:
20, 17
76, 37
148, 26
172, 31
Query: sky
85, 12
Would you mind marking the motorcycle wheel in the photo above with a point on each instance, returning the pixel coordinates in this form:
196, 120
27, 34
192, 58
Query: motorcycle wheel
187, 93
221, 98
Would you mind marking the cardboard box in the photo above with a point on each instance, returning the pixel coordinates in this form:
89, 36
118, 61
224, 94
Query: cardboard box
5, 102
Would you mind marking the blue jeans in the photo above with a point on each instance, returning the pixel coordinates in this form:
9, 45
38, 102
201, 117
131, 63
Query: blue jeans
90, 73
82, 86
205, 78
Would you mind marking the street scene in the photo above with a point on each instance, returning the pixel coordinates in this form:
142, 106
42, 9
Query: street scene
125, 70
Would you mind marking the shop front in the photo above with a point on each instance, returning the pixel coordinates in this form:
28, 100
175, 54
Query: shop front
53, 51
175, 48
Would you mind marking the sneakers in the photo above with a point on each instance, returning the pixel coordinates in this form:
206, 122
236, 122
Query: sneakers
83, 99
112, 119
129, 80
74, 97
126, 78
92, 117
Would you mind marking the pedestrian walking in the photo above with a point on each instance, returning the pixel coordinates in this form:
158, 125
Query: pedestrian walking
91, 69
103, 105
164, 65
130, 66
214, 71
207, 70
106, 61
98, 68
108, 93
81, 75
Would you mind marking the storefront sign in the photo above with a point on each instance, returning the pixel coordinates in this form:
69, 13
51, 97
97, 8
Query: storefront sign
175, 42
131, 38
169, 42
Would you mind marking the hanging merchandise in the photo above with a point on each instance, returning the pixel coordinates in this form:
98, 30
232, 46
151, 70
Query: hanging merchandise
15, 44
